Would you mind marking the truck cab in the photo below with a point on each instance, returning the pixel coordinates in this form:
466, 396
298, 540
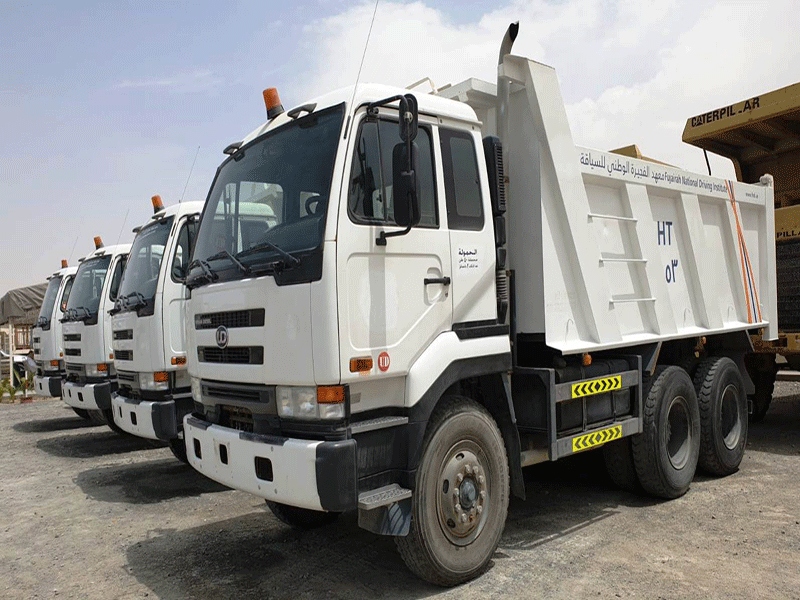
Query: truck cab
48, 350
90, 373
154, 393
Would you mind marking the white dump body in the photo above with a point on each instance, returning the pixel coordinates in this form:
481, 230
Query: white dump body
609, 251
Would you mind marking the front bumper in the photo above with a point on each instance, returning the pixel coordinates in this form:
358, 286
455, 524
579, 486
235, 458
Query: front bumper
154, 420
305, 473
47, 386
89, 396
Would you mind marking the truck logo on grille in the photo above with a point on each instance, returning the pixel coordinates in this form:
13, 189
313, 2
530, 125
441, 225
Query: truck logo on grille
222, 336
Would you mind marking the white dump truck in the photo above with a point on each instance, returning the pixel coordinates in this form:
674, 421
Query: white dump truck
452, 291
153, 393
48, 351
86, 331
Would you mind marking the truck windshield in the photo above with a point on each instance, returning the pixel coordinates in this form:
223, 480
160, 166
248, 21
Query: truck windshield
87, 288
270, 199
140, 279
48, 303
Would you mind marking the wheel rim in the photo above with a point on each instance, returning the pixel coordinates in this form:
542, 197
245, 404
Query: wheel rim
678, 435
463, 498
730, 417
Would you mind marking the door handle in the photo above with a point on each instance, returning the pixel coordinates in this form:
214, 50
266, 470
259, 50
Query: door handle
439, 280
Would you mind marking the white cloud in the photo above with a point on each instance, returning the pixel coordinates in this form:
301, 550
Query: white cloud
632, 71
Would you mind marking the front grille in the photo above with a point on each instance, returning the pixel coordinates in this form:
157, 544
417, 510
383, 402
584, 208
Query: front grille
230, 319
123, 354
128, 377
237, 418
72, 351
123, 334
36, 340
227, 391
72, 337
237, 355
36, 351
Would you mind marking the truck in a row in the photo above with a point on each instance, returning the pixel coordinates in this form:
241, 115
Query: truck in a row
391, 303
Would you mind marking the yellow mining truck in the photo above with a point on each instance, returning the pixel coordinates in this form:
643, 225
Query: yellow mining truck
762, 135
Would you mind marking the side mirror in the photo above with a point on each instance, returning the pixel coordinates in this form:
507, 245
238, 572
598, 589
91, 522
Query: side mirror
404, 185
179, 273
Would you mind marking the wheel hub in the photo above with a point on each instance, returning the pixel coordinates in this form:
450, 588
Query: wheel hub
464, 496
678, 433
730, 419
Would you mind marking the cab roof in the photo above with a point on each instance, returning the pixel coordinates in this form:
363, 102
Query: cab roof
366, 93
178, 209
108, 250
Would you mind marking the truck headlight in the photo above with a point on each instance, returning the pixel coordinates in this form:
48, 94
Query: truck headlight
154, 382
307, 402
197, 390
98, 370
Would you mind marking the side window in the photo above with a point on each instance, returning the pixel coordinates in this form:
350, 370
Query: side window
370, 186
461, 183
116, 278
65, 295
183, 249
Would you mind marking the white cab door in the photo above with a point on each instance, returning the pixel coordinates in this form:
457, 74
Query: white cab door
387, 310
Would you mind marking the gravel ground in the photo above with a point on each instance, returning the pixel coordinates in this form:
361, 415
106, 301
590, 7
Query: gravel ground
87, 513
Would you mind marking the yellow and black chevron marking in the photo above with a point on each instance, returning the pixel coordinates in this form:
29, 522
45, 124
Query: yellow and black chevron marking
596, 386
597, 438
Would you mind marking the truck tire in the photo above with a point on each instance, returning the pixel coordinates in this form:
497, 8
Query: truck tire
96, 416
758, 402
666, 452
108, 416
178, 448
460, 497
762, 370
618, 457
723, 416
82, 413
301, 518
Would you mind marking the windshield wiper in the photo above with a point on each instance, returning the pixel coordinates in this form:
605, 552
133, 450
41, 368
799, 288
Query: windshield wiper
225, 254
122, 302
72, 314
293, 260
42, 322
208, 274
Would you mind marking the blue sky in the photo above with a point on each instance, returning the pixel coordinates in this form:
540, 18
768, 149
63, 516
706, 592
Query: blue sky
104, 104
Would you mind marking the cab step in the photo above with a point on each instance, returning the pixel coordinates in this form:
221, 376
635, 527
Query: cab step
382, 496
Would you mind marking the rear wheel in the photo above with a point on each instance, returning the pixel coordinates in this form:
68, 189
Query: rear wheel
618, 457
301, 518
460, 498
82, 413
723, 416
666, 452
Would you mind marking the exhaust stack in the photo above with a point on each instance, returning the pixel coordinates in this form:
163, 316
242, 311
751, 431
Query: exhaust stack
503, 85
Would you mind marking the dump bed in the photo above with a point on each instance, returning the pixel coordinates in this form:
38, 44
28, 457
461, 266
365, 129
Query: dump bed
609, 251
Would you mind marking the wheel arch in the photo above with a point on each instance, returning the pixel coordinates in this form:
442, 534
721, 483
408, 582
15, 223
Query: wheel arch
476, 374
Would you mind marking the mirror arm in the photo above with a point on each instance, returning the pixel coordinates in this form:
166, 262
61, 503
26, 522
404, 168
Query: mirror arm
381, 239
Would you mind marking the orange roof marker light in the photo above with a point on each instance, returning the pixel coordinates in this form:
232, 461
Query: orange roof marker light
64, 263
98, 242
273, 103
158, 206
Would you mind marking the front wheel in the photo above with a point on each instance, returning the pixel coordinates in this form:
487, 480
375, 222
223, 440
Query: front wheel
460, 498
108, 415
82, 413
301, 518
178, 448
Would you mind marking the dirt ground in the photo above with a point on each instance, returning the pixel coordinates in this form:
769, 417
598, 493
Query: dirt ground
86, 513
